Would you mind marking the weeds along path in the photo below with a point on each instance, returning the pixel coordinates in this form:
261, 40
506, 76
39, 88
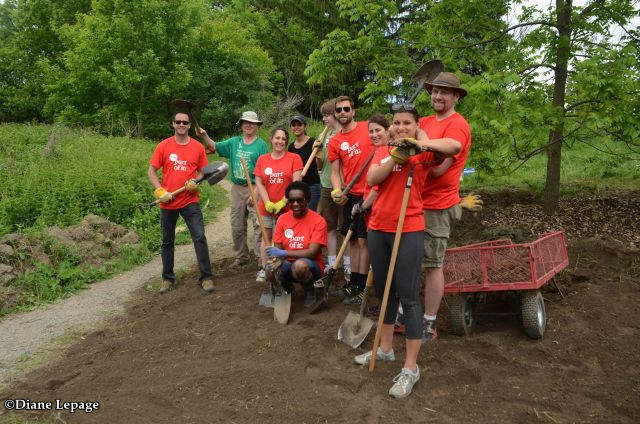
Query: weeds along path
26, 338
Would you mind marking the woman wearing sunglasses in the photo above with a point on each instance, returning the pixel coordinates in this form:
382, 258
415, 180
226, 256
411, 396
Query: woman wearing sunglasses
274, 172
298, 239
392, 169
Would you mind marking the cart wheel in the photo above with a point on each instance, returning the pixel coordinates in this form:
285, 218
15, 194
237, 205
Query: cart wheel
534, 317
463, 315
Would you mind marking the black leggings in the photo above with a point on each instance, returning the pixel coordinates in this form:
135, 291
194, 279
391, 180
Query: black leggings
405, 286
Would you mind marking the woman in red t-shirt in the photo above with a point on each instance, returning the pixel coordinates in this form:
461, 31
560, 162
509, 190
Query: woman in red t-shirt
274, 172
390, 171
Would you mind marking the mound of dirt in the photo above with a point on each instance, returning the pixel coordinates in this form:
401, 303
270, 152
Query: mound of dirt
191, 357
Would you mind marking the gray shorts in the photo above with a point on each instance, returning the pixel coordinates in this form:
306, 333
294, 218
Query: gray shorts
269, 221
438, 224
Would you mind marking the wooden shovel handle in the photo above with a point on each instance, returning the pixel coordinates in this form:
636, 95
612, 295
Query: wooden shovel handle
392, 266
313, 153
265, 236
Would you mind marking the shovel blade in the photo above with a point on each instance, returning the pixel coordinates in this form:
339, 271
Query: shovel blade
354, 329
266, 299
282, 307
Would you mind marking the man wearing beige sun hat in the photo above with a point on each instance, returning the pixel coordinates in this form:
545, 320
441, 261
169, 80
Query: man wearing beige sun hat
249, 147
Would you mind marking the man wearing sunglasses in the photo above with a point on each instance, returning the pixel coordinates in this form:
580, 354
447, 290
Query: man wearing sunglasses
298, 239
351, 150
249, 147
181, 159
440, 196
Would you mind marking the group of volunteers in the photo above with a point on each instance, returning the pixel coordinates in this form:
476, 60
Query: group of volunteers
303, 207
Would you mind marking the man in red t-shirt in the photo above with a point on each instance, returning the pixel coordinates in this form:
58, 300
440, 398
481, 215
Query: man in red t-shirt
351, 150
298, 239
181, 159
440, 195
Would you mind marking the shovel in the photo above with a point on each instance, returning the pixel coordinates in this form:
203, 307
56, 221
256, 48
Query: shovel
213, 173
278, 299
356, 327
427, 72
321, 286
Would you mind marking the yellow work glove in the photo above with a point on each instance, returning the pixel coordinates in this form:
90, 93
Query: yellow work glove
338, 198
163, 195
400, 155
191, 185
270, 207
317, 144
471, 202
280, 204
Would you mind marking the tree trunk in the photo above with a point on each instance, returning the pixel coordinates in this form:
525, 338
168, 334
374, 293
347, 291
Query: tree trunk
556, 135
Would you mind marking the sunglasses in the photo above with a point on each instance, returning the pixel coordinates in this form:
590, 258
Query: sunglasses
346, 109
182, 122
403, 107
296, 200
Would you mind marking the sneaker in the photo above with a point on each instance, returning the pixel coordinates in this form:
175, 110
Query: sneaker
309, 299
207, 285
347, 290
355, 299
381, 356
238, 263
165, 286
399, 326
429, 332
261, 277
346, 271
404, 383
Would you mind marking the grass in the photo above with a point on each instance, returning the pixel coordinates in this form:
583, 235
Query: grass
84, 173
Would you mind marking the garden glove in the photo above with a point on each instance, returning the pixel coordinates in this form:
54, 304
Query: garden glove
317, 144
357, 209
400, 155
471, 202
162, 195
280, 204
270, 207
274, 252
338, 198
191, 185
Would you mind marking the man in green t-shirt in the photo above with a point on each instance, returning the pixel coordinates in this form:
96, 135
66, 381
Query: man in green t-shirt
249, 147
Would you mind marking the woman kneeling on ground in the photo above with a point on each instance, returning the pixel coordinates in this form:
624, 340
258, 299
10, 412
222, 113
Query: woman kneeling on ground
274, 172
389, 173
298, 239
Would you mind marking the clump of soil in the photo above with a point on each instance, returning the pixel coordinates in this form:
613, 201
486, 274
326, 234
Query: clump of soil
92, 242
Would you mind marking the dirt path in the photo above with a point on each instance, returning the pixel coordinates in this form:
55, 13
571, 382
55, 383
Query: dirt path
40, 331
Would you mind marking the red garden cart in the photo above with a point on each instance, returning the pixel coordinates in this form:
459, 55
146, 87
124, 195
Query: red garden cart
502, 265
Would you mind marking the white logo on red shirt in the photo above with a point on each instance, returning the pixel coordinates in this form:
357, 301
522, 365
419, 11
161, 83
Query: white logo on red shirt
178, 165
295, 242
344, 146
288, 233
268, 171
173, 157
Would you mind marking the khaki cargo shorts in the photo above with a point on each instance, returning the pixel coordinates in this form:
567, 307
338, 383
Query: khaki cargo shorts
329, 210
438, 224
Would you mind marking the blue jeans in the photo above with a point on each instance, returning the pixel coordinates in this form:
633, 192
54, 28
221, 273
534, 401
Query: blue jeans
193, 218
315, 196
287, 273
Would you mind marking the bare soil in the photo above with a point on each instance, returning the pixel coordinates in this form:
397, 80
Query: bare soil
190, 357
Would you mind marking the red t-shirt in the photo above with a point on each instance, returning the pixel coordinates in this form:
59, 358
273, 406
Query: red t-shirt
276, 175
443, 192
179, 163
353, 150
386, 209
298, 234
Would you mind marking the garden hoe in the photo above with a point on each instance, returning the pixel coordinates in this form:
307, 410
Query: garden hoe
356, 327
321, 286
212, 173
277, 298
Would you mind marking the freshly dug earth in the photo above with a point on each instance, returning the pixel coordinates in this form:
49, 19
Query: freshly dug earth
190, 357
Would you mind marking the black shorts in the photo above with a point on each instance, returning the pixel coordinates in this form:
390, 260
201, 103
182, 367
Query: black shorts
360, 227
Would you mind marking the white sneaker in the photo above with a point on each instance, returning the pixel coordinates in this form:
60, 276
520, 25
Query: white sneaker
404, 383
381, 356
261, 277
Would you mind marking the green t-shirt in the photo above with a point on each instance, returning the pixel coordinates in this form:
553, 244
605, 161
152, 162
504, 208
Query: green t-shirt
234, 148
325, 173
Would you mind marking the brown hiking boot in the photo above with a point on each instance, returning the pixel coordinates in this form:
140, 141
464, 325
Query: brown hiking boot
207, 285
237, 263
165, 286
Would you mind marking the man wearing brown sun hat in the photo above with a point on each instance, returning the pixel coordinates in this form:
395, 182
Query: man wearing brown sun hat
440, 196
